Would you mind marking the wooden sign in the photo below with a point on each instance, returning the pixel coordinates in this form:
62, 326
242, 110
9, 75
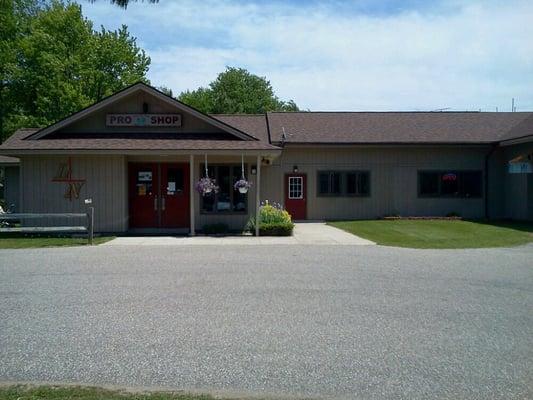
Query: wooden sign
64, 175
143, 120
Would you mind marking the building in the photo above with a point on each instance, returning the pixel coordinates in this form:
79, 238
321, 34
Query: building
138, 154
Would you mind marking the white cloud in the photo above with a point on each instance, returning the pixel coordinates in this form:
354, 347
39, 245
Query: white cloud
478, 56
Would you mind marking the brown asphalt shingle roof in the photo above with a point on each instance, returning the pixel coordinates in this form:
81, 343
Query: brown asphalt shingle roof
398, 127
17, 142
312, 128
253, 124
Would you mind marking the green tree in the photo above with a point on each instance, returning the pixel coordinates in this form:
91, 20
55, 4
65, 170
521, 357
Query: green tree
124, 3
62, 65
237, 91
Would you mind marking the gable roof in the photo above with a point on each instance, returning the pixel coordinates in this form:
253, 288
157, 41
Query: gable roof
19, 143
140, 86
398, 127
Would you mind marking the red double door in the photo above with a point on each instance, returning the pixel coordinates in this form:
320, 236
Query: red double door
159, 195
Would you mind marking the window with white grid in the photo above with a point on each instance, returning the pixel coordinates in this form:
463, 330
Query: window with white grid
296, 187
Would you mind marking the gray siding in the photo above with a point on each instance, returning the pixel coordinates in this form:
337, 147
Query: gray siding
518, 188
394, 187
105, 184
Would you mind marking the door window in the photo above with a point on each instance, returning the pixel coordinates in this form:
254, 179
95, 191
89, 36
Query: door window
144, 183
174, 181
296, 187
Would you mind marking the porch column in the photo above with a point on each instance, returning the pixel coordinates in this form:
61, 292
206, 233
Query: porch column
257, 195
191, 193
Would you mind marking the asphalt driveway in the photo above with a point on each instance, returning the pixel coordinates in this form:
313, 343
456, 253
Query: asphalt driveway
363, 322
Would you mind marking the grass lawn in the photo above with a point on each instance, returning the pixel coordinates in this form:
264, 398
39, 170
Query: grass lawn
86, 393
439, 234
17, 241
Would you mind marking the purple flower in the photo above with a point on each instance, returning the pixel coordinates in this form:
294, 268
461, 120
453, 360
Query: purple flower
206, 186
242, 183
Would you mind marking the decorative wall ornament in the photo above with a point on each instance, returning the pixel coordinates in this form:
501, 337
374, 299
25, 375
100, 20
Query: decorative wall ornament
64, 175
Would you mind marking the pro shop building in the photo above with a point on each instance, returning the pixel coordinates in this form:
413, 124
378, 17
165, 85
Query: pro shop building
138, 154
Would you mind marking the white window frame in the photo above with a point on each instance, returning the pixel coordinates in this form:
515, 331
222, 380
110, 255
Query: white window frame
301, 181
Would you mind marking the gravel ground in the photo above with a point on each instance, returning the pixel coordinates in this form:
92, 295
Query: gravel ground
365, 322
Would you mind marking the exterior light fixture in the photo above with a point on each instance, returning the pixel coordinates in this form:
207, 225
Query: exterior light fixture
254, 170
295, 169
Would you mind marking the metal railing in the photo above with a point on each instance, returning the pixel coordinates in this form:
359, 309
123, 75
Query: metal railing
87, 228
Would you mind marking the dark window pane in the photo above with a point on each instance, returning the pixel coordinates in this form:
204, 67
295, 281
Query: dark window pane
335, 183
224, 183
472, 185
357, 183
208, 202
429, 183
351, 183
239, 199
449, 184
323, 183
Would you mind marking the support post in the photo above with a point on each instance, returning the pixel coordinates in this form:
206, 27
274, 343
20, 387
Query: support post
191, 194
257, 195
90, 225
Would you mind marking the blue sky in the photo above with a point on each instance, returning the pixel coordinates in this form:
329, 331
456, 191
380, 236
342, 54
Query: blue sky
340, 55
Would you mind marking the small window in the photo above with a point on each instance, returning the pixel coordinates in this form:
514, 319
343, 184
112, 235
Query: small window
296, 187
358, 183
450, 184
329, 183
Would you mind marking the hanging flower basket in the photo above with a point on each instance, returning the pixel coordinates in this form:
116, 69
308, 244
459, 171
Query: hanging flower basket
206, 186
242, 185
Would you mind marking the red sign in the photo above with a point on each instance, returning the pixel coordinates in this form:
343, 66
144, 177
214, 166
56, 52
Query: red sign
449, 177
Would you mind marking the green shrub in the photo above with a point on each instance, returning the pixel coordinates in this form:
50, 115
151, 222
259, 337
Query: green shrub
273, 221
276, 229
215, 229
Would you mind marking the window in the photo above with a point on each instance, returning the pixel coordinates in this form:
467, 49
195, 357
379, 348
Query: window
174, 181
358, 183
329, 183
144, 183
343, 183
296, 187
227, 200
450, 183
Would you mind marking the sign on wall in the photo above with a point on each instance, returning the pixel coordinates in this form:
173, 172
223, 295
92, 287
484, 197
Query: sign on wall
64, 175
520, 168
143, 120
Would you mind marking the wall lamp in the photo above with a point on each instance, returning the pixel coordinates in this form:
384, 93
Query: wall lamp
295, 169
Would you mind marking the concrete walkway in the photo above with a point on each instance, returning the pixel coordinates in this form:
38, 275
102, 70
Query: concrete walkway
305, 233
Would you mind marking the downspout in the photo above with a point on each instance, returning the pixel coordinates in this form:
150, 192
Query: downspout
487, 156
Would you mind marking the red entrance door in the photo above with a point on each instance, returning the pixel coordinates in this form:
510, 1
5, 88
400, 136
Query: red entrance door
174, 195
296, 195
159, 195
143, 195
